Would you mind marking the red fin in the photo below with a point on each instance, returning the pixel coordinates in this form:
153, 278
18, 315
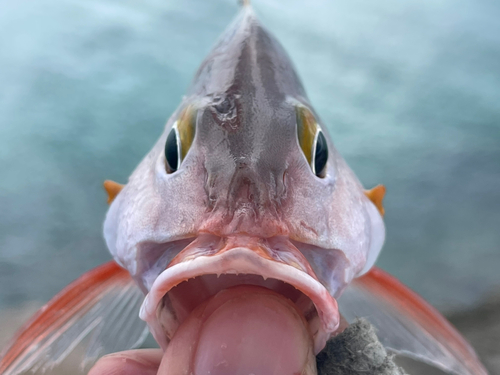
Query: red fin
408, 324
63, 311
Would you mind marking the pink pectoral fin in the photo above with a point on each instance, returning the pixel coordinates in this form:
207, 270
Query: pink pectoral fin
99, 310
407, 324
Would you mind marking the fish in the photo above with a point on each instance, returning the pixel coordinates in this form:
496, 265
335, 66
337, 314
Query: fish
241, 242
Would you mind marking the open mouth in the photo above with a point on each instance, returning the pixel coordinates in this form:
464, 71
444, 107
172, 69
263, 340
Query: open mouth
211, 264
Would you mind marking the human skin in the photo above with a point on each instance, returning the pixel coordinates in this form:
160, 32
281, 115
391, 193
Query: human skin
207, 338
130, 362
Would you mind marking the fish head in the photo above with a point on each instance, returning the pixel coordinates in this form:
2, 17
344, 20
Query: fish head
244, 187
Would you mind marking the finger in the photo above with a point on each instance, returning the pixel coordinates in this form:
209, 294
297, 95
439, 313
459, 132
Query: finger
131, 362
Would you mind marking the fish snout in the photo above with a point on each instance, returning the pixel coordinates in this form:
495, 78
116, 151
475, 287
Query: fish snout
245, 201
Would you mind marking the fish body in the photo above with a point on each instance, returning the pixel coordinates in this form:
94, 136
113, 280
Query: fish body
244, 211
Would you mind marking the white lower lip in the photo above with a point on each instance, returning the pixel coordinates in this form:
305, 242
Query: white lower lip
241, 260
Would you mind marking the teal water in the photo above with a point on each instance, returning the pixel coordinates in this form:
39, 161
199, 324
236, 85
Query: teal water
410, 91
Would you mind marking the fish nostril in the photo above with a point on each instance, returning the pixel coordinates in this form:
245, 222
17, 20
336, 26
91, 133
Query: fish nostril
224, 106
242, 163
225, 111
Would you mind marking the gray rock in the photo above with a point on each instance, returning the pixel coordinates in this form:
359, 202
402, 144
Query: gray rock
356, 351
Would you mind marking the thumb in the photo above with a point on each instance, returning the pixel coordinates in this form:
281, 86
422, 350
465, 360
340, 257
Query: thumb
131, 362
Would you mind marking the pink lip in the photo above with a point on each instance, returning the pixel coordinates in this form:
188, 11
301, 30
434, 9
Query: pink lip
271, 263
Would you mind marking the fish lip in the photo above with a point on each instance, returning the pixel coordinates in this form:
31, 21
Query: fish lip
242, 260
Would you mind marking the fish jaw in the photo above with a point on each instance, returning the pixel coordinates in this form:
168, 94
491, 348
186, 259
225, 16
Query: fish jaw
232, 263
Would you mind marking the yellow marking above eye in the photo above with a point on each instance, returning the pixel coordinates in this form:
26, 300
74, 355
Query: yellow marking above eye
186, 127
307, 127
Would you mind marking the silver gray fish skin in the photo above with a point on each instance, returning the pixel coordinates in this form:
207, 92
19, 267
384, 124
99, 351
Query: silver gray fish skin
245, 173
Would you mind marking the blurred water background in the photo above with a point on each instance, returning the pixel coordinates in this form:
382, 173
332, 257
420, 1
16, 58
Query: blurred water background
409, 89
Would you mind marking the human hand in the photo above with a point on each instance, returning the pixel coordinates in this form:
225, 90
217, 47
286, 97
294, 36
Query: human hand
130, 362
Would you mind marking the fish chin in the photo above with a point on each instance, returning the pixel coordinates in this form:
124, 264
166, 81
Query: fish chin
211, 265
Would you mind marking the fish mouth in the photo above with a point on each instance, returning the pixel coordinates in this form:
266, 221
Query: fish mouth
211, 264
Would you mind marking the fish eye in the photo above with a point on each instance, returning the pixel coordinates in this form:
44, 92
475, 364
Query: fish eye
320, 155
312, 141
172, 150
180, 139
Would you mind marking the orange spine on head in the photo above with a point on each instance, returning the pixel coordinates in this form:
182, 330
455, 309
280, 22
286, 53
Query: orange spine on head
376, 195
112, 188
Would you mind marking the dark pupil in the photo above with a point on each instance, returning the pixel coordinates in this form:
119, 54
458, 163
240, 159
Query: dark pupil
321, 155
171, 153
